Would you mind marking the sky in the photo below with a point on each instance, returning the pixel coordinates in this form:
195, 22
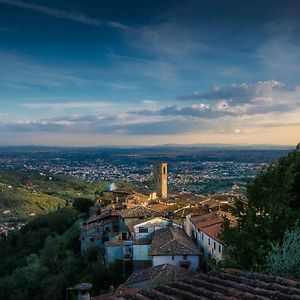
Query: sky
131, 72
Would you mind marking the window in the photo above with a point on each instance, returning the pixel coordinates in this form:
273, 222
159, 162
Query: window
220, 248
208, 241
164, 171
172, 257
214, 245
184, 257
202, 236
143, 230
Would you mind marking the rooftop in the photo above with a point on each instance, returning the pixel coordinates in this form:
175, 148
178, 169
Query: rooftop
226, 284
158, 271
153, 222
211, 224
172, 241
139, 212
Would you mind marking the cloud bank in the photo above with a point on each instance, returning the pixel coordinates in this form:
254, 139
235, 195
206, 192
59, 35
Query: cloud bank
237, 109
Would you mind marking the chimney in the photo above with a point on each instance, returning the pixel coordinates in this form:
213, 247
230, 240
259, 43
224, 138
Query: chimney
83, 290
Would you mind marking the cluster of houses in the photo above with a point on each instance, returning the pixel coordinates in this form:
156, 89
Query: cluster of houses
168, 246
150, 237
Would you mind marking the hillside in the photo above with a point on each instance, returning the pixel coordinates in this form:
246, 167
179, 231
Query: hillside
24, 193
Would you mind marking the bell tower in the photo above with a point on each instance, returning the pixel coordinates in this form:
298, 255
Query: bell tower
161, 179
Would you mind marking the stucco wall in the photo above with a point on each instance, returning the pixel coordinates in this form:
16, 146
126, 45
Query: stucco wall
209, 248
159, 260
140, 252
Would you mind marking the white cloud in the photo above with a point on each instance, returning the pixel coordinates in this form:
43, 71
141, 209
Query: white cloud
240, 93
149, 102
214, 117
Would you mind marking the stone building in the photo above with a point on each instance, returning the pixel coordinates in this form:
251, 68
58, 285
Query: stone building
160, 179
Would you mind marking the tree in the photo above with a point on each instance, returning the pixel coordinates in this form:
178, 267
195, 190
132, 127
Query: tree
273, 206
284, 259
82, 205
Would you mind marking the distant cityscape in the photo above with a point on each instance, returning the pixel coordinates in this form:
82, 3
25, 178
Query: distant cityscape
191, 170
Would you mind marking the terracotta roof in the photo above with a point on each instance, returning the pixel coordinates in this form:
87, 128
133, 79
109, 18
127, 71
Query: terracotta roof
226, 284
123, 289
204, 217
160, 207
103, 216
211, 224
139, 212
158, 271
172, 241
214, 231
208, 223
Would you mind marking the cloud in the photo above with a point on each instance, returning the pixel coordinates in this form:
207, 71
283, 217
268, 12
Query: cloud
67, 105
149, 102
155, 125
73, 16
215, 116
242, 93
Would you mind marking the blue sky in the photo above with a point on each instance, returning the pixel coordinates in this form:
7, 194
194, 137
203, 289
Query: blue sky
82, 73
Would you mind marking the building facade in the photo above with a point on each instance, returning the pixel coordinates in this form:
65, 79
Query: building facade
205, 232
173, 246
144, 230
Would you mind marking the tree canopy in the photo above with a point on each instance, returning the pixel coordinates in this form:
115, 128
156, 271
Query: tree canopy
273, 207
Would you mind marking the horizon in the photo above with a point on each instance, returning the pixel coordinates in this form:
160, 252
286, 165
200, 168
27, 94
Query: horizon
201, 146
131, 74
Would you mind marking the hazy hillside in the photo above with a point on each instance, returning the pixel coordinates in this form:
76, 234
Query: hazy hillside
24, 193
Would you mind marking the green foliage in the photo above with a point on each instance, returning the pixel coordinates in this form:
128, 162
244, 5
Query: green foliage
284, 259
23, 201
273, 206
30, 239
26, 192
82, 205
43, 259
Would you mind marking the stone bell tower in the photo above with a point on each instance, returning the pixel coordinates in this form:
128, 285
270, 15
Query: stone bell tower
161, 179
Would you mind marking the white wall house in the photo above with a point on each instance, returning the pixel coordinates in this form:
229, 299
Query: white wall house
144, 230
173, 246
187, 261
205, 231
